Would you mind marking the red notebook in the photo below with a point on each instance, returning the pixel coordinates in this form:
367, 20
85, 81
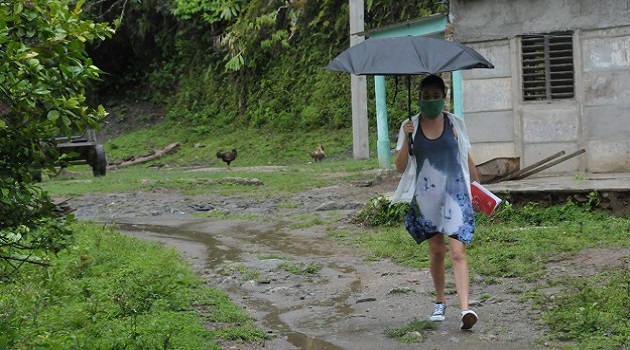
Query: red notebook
483, 199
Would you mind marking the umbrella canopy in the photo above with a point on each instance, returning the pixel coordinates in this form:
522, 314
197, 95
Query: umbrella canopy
407, 55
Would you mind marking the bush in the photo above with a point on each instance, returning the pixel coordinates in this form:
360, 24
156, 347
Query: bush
45, 74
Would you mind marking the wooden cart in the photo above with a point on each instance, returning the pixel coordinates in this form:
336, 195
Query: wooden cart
83, 150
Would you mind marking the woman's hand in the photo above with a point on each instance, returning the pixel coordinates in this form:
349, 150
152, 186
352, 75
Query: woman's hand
408, 127
403, 155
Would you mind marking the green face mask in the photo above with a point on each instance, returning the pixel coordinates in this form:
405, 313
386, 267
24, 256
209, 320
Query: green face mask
432, 108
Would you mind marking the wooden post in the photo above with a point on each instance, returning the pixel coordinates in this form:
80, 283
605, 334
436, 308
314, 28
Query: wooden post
518, 174
547, 166
360, 141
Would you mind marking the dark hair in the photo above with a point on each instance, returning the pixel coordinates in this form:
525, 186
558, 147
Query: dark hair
435, 81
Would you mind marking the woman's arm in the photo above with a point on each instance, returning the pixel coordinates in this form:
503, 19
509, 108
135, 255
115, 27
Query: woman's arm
403, 155
402, 158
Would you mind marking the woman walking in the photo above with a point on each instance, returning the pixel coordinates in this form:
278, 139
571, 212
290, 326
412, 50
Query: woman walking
441, 204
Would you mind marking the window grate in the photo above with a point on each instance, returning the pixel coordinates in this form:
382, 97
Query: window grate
548, 71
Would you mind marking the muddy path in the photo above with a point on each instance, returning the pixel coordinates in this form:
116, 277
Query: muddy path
347, 304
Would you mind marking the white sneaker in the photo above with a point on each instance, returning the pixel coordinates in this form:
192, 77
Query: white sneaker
469, 318
438, 312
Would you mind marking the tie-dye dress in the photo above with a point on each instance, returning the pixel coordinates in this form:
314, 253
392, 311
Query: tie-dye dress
441, 202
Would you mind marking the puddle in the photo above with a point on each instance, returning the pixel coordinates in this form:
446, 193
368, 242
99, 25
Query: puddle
208, 252
201, 247
275, 238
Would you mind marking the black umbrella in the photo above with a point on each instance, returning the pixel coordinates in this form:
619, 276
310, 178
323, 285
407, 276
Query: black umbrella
407, 55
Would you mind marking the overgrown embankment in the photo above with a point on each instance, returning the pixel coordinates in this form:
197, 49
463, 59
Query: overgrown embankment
252, 64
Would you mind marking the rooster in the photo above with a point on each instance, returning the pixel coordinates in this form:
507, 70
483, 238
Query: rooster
318, 154
227, 157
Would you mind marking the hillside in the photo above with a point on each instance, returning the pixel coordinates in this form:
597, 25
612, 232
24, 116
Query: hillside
247, 64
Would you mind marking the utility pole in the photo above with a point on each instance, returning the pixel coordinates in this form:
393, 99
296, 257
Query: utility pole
360, 141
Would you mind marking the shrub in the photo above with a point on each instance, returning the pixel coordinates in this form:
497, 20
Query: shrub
381, 212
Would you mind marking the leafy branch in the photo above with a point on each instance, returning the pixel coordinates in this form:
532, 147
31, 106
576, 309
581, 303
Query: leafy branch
45, 73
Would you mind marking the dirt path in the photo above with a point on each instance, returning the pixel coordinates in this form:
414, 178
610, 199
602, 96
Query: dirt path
348, 304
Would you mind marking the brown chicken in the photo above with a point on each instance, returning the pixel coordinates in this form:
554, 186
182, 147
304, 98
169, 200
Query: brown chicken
227, 157
318, 154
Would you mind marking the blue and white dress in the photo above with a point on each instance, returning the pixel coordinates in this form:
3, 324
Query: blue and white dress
441, 201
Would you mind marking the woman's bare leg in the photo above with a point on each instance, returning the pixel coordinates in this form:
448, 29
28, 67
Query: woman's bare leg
437, 252
460, 270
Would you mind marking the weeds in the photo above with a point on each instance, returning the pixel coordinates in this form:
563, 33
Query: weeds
246, 273
594, 313
407, 332
301, 268
381, 212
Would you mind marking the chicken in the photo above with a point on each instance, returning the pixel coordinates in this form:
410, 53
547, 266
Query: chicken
318, 154
227, 157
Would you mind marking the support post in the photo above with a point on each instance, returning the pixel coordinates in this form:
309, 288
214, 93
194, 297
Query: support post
360, 139
382, 143
458, 93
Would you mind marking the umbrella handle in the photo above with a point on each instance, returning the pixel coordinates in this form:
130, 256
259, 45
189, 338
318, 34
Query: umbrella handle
410, 136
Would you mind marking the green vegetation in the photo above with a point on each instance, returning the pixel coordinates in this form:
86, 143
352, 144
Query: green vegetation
504, 243
246, 273
115, 292
228, 74
300, 268
589, 313
45, 70
306, 220
272, 257
255, 146
286, 155
406, 334
248, 64
380, 212
187, 182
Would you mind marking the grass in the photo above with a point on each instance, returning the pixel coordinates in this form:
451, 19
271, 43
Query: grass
293, 179
115, 292
306, 221
589, 313
255, 146
272, 257
592, 313
516, 242
411, 332
246, 273
300, 268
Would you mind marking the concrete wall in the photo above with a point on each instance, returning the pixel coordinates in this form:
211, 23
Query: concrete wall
489, 104
597, 119
606, 98
490, 19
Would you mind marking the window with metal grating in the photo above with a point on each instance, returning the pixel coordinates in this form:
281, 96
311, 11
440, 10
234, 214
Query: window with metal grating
547, 61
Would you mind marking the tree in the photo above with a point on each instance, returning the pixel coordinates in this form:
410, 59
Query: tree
44, 71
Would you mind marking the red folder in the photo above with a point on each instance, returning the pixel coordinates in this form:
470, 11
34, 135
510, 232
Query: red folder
483, 199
